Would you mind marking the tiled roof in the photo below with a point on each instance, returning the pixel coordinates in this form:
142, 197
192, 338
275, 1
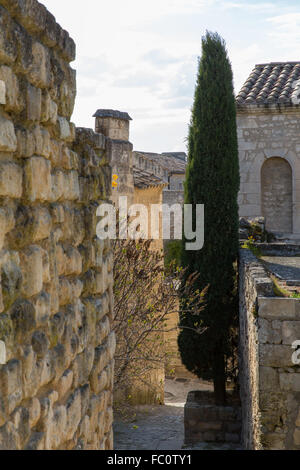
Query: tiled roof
168, 161
272, 84
112, 113
172, 163
144, 179
179, 155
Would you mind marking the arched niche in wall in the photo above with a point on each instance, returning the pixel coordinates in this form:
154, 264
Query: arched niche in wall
277, 195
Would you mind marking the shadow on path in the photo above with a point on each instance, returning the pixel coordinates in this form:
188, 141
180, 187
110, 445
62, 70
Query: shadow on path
161, 427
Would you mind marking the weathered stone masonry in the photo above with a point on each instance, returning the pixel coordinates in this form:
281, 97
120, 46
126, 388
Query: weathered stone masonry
56, 298
270, 382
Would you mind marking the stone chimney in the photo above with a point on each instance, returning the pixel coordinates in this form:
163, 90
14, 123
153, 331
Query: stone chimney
115, 126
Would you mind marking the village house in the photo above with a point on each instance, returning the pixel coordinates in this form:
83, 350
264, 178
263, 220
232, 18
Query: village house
268, 119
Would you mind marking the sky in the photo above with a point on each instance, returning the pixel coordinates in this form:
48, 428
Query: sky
141, 56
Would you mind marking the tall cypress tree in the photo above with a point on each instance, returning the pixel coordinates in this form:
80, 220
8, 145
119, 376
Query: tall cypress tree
213, 180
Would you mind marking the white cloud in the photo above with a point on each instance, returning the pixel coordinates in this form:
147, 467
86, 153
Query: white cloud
285, 20
141, 57
286, 31
250, 6
160, 56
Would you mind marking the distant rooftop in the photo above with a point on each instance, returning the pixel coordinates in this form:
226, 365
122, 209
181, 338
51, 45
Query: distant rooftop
145, 179
180, 155
112, 113
169, 161
274, 83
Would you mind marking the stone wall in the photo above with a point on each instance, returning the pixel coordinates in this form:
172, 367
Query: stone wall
172, 197
204, 421
265, 133
56, 301
269, 380
176, 182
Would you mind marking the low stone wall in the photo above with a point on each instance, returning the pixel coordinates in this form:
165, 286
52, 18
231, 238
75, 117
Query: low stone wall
270, 381
56, 301
206, 422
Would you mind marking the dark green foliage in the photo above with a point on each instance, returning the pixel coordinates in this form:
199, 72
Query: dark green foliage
173, 253
213, 180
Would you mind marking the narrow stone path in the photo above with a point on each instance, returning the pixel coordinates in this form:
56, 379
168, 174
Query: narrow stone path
161, 427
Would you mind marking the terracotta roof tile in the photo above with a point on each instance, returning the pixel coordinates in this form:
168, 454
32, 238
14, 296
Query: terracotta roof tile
274, 83
145, 179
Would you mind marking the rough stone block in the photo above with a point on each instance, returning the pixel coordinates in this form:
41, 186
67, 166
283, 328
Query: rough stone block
26, 143
64, 129
71, 186
20, 420
33, 103
290, 331
274, 441
23, 317
11, 384
9, 437
42, 142
11, 279
39, 73
69, 290
102, 330
69, 159
7, 223
57, 185
8, 139
73, 414
268, 378
297, 437
32, 224
275, 355
13, 99
38, 179
67, 92
32, 270
99, 381
11, 177
55, 429
108, 420
34, 409
73, 261
65, 383
290, 381
82, 366
40, 343
8, 40
277, 308
36, 441
267, 333
49, 109
2, 92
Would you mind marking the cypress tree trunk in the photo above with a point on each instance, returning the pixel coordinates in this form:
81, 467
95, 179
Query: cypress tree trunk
213, 180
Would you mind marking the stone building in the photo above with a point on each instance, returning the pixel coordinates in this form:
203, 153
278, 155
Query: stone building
115, 126
268, 119
170, 167
146, 178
